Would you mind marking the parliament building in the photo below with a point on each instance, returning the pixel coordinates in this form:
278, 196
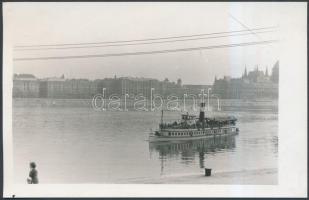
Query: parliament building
256, 84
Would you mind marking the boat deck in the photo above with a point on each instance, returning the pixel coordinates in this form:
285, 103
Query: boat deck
192, 134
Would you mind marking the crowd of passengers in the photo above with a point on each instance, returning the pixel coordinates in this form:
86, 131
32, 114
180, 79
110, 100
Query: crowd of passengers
198, 124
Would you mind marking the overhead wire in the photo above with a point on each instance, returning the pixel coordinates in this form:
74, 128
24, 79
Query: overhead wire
146, 52
140, 40
133, 44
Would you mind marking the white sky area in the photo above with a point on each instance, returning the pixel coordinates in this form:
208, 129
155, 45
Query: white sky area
60, 23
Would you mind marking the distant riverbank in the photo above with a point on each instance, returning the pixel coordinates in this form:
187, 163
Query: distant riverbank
224, 104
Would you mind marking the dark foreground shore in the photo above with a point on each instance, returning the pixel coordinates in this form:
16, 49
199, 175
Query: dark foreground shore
268, 176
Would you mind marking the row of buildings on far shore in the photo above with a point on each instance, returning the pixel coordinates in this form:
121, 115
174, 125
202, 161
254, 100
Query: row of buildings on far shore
253, 84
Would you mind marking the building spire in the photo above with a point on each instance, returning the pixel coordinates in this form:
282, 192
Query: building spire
266, 72
245, 74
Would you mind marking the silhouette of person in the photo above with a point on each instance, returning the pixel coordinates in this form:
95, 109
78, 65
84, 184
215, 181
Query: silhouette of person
33, 174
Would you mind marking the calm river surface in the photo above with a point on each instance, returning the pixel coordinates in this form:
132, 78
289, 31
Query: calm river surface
81, 145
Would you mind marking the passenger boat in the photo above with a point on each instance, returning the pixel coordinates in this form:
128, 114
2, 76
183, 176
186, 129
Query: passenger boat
191, 127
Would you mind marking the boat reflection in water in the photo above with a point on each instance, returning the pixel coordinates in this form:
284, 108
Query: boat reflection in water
189, 149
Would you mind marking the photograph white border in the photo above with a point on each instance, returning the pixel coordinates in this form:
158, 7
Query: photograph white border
292, 159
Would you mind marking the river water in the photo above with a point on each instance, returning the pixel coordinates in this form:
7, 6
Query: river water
81, 145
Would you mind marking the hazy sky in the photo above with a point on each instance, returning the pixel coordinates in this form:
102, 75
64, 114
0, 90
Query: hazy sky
58, 23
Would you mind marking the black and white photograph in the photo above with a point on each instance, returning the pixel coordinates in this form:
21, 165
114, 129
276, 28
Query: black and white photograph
155, 95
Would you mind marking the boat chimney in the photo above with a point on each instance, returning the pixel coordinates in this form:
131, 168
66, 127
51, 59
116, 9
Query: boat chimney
202, 112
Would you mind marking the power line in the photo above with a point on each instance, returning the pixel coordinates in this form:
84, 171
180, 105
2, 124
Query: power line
243, 25
133, 44
246, 27
147, 52
139, 40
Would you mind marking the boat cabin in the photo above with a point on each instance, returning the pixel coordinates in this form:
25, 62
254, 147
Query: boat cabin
187, 117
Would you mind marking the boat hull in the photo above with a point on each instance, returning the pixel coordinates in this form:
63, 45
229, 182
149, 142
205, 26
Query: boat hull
195, 136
